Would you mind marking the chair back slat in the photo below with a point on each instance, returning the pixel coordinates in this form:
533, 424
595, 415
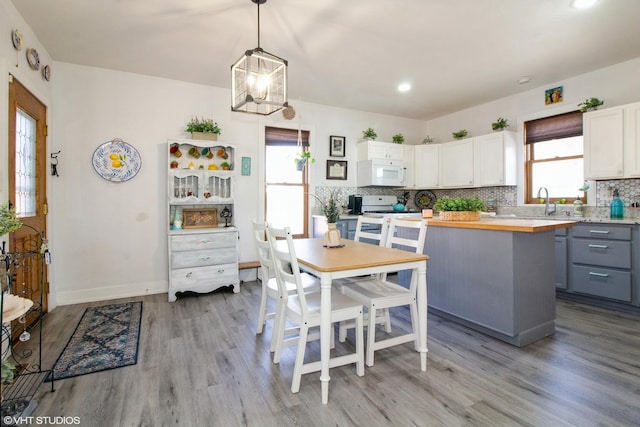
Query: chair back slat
415, 241
287, 270
264, 254
379, 237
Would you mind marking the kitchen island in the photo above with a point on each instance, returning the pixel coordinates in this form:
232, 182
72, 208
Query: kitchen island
494, 275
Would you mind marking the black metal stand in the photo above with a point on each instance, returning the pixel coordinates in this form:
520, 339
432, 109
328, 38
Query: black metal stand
29, 375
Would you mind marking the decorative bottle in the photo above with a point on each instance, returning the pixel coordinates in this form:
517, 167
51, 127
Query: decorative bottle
578, 207
617, 206
332, 236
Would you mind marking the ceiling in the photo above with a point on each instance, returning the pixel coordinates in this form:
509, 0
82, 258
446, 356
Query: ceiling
349, 53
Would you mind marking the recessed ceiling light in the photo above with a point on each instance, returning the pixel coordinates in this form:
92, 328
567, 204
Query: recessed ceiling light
583, 4
404, 87
524, 80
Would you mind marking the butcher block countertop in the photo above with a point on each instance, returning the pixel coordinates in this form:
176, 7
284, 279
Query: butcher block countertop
505, 224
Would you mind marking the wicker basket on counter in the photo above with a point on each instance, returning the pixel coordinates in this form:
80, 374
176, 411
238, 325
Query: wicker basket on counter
460, 216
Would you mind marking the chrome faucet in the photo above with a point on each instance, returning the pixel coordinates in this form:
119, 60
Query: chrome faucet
547, 211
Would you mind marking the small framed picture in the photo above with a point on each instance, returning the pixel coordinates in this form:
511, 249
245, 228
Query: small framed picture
337, 169
553, 96
246, 166
336, 146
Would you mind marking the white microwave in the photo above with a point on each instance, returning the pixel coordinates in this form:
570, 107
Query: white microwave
389, 173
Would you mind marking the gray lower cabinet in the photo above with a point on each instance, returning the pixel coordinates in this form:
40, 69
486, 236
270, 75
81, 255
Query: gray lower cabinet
561, 255
602, 261
346, 226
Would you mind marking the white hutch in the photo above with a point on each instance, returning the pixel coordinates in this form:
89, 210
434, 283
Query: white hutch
202, 241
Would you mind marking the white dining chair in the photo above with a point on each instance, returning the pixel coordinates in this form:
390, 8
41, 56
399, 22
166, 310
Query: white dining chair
270, 285
377, 293
303, 309
375, 230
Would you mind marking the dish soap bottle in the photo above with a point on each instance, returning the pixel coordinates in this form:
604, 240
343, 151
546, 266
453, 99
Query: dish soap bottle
578, 207
617, 207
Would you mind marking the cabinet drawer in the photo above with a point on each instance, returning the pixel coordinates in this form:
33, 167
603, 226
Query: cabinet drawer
597, 231
202, 241
201, 258
185, 278
602, 252
602, 282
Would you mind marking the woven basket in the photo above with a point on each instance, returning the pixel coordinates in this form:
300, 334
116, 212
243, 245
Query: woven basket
460, 216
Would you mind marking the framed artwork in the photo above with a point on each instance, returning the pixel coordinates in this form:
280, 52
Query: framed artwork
336, 146
246, 166
553, 96
337, 169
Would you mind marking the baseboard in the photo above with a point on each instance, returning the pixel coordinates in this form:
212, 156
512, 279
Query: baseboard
111, 292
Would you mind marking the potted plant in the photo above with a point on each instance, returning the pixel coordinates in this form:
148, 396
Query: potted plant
590, 104
500, 124
225, 166
203, 129
460, 134
302, 158
330, 209
459, 208
397, 138
428, 140
369, 134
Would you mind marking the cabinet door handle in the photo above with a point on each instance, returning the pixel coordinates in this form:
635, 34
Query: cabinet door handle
599, 246
592, 273
599, 231
221, 270
189, 274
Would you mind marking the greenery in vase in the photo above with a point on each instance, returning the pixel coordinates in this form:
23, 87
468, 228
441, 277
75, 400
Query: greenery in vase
428, 140
203, 125
369, 133
460, 134
500, 124
329, 207
589, 104
302, 158
446, 203
8, 219
397, 138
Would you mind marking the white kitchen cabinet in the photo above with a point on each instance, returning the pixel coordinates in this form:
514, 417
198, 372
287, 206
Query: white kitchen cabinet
426, 166
370, 150
495, 159
603, 134
203, 255
456, 164
408, 154
632, 140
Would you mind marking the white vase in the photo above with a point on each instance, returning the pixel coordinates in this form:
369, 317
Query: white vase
332, 236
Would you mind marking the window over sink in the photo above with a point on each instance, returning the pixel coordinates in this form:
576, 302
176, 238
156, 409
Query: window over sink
554, 157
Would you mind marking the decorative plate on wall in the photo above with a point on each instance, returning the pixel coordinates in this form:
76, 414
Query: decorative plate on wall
33, 58
116, 161
46, 73
16, 39
425, 199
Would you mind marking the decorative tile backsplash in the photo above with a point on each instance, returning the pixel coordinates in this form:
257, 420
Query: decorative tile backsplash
506, 197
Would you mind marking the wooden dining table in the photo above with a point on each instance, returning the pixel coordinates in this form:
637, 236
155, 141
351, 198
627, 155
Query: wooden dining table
352, 260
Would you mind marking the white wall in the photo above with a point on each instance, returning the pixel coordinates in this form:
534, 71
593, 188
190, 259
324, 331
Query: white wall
109, 240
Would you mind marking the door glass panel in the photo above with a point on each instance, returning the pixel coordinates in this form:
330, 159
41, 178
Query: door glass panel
25, 197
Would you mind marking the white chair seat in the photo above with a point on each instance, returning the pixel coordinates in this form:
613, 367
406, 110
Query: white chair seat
375, 290
309, 283
339, 304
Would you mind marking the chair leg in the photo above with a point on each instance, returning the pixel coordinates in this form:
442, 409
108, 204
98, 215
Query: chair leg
279, 325
297, 369
263, 310
359, 331
413, 309
342, 331
387, 320
371, 335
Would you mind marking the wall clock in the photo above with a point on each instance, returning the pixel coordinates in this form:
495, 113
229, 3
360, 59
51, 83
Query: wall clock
16, 39
116, 161
33, 58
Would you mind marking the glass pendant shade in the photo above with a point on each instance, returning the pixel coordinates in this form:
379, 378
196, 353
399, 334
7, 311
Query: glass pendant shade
259, 83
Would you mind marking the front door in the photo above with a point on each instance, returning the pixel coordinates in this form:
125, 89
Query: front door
27, 190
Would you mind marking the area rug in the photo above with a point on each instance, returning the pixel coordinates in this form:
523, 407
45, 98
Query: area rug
106, 338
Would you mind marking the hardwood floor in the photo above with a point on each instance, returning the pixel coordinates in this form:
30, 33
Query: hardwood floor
201, 364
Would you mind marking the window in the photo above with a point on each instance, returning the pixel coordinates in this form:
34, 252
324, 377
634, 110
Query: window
286, 187
554, 157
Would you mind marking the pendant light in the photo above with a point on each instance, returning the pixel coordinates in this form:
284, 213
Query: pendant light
259, 80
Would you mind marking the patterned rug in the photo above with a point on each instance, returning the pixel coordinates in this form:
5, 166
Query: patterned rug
106, 338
